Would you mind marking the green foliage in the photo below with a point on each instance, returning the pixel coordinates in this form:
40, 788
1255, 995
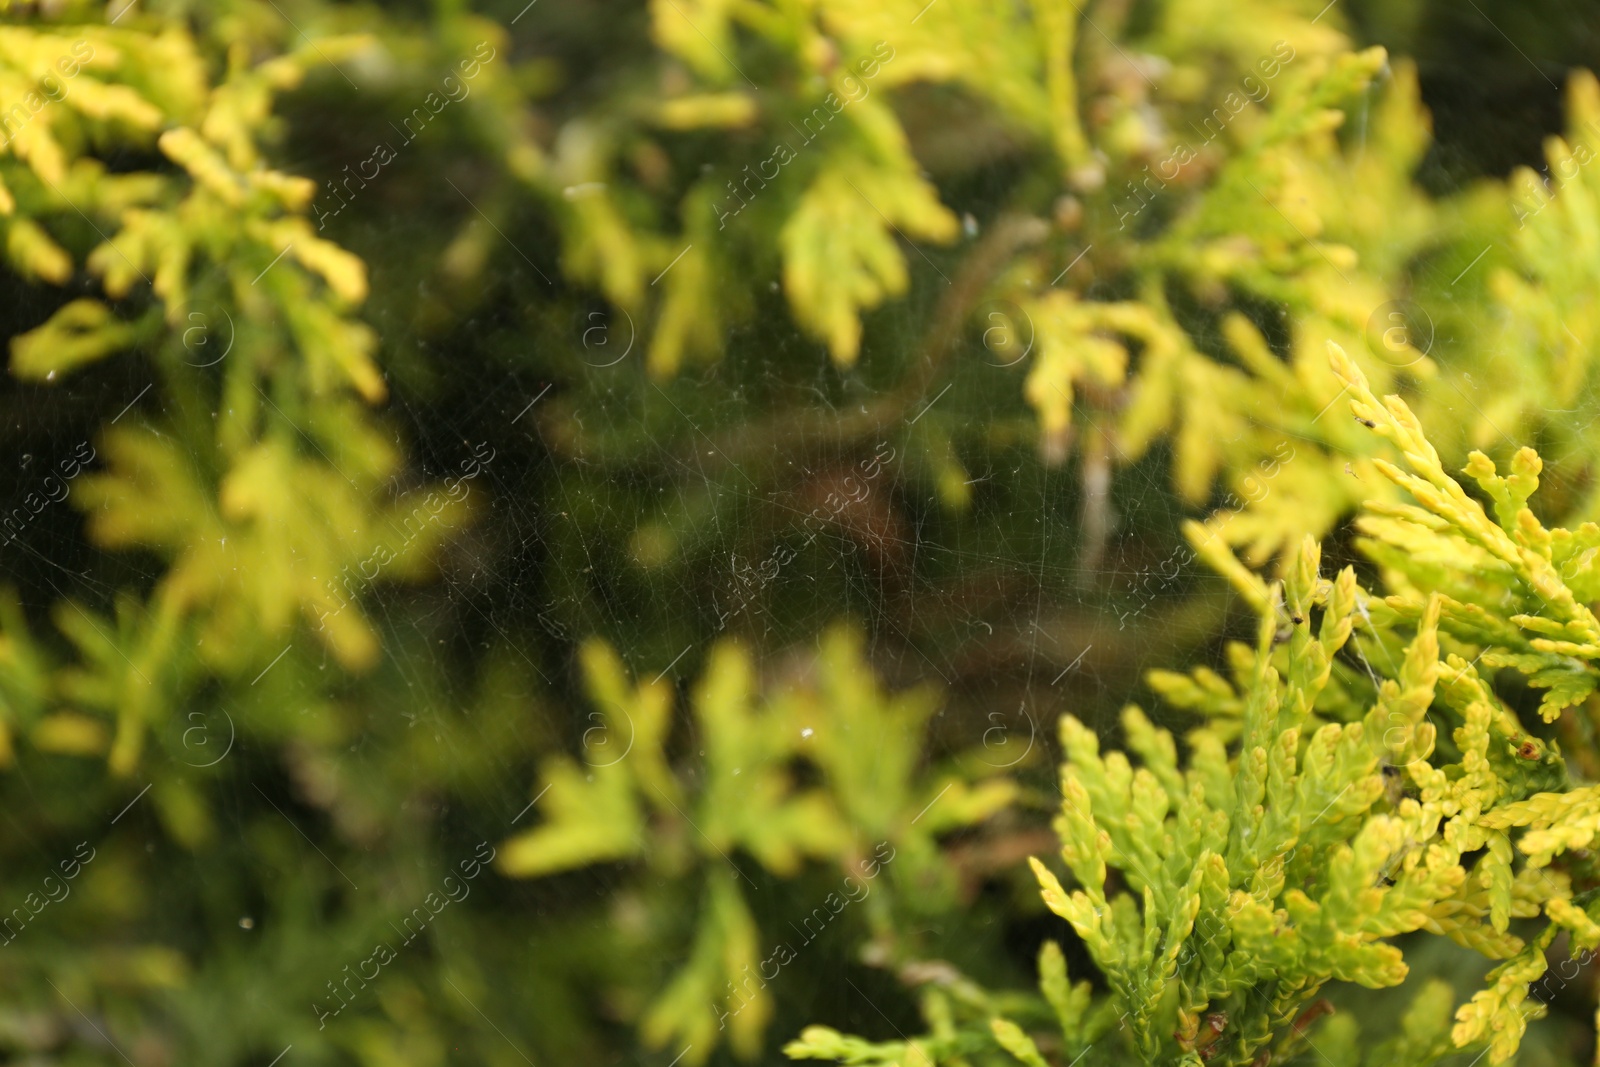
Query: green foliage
1246, 882
628, 804
368, 532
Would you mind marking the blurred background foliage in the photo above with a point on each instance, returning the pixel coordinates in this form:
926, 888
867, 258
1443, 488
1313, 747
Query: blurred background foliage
413, 408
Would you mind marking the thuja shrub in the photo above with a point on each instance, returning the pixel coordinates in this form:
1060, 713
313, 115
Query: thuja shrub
152, 191
1357, 777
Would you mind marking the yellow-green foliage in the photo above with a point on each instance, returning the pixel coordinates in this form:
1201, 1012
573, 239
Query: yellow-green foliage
1274, 206
263, 510
1219, 896
1263, 202
1520, 363
1356, 774
625, 802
